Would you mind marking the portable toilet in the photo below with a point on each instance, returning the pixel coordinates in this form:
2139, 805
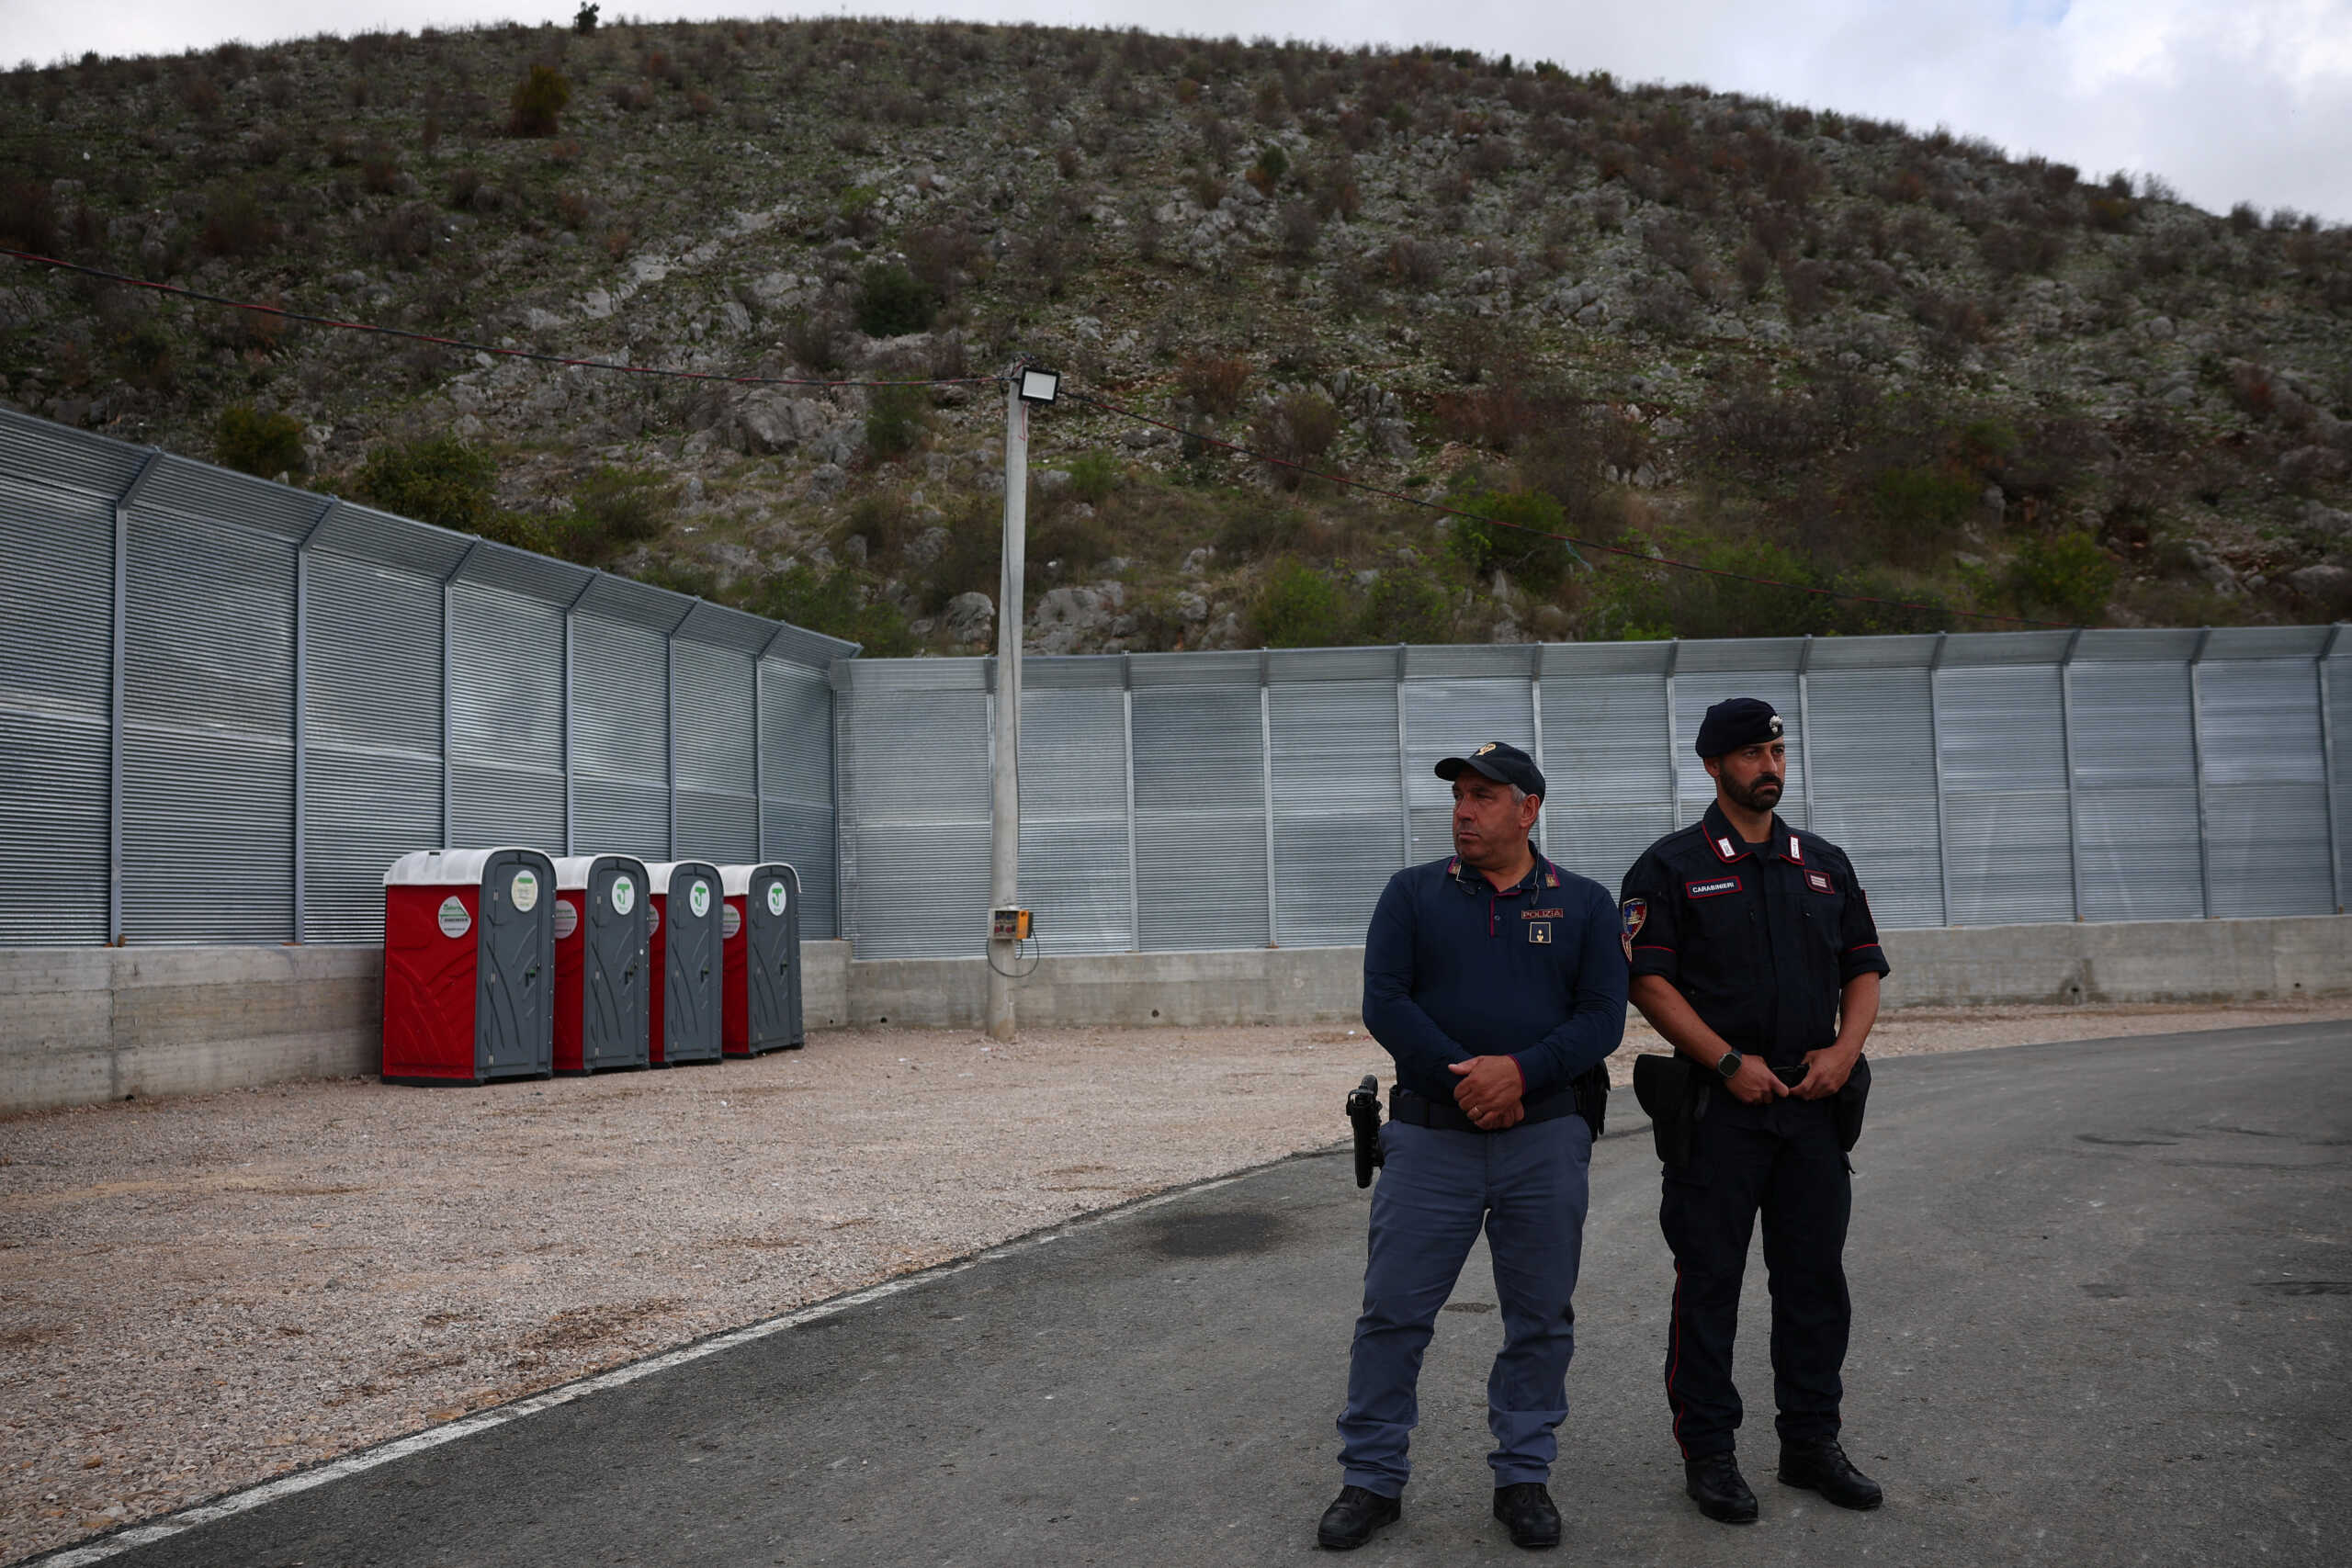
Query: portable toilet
762, 931
604, 984
687, 959
469, 965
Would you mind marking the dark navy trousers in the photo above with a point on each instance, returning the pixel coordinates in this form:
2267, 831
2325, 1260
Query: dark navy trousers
1781, 1161
1527, 1188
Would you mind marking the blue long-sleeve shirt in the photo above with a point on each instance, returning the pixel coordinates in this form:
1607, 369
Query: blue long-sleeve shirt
1454, 968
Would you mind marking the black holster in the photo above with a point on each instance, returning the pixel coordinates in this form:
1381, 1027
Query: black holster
1363, 1121
1591, 1089
1846, 1109
1667, 1090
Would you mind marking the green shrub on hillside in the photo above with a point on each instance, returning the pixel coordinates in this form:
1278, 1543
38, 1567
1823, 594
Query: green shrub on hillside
252, 441
1404, 607
1534, 561
1299, 607
892, 302
613, 509
837, 604
2066, 572
443, 482
536, 107
895, 419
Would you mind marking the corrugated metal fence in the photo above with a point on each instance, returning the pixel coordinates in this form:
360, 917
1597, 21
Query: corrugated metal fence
1220, 800
227, 705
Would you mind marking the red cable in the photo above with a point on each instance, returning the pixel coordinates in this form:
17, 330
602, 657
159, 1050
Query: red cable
285, 315
1110, 407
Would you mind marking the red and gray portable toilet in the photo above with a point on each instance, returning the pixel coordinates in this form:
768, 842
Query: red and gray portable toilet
762, 931
604, 982
468, 966
688, 910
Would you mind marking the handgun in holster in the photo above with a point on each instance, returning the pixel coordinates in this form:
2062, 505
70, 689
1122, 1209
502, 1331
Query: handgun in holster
1364, 1115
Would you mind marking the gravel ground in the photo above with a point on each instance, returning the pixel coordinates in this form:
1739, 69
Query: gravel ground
199, 1293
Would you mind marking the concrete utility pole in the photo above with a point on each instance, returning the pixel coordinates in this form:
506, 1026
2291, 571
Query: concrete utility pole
1004, 794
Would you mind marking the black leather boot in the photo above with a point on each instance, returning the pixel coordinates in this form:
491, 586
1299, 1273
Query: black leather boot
1714, 1484
1525, 1509
1353, 1515
1823, 1467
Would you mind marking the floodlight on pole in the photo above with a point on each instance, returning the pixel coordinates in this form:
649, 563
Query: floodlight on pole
1038, 385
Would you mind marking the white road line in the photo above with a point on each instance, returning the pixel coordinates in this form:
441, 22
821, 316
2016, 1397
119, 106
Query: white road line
401, 1447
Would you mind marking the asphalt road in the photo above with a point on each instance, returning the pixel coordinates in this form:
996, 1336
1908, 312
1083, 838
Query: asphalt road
2101, 1301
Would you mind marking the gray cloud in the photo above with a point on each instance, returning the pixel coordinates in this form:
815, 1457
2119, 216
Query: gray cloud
2250, 101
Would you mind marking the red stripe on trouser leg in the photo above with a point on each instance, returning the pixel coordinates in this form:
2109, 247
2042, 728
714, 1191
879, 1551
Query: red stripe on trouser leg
1674, 1359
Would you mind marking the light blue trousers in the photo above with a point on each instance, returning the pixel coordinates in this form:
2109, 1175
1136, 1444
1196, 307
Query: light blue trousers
1528, 1188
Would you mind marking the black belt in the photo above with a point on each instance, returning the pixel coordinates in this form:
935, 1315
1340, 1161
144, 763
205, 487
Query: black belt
1415, 1111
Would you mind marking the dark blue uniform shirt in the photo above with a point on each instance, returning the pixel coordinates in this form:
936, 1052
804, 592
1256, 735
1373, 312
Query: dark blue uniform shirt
1454, 968
1761, 939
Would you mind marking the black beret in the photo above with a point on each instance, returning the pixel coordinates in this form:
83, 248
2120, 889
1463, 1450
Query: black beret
1737, 722
1504, 765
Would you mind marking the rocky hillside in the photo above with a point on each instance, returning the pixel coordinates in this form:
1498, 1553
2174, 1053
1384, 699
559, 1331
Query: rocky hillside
1769, 339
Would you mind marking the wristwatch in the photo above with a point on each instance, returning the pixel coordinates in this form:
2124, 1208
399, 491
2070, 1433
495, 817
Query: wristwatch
1728, 1064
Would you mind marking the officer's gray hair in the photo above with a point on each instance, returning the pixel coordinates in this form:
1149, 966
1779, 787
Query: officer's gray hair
1517, 795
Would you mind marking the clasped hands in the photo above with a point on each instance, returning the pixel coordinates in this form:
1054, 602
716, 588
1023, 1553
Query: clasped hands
1490, 1091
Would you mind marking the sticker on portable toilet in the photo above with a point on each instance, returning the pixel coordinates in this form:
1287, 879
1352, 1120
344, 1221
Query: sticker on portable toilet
455, 921
567, 918
624, 895
698, 898
732, 923
775, 898
525, 888
653, 914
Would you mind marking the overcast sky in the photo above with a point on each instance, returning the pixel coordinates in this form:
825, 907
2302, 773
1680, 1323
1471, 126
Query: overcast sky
2231, 100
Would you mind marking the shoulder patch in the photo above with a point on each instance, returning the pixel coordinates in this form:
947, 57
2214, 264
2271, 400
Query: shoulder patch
1713, 888
1633, 915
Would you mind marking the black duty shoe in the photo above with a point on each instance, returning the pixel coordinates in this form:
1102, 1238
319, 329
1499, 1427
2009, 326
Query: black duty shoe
1823, 1467
1714, 1484
1525, 1509
1353, 1515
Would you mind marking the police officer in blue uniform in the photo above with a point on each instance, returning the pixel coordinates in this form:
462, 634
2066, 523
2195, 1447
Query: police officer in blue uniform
1752, 953
1496, 982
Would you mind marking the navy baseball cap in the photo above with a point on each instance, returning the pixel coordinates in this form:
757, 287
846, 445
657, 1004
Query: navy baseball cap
1737, 722
1504, 765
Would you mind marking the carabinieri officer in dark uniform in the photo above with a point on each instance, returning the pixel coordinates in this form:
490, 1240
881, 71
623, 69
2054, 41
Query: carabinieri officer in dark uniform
1753, 952
1496, 980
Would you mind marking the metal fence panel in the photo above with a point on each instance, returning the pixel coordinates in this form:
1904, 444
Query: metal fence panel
56, 678
1874, 750
1336, 841
1074, 811
2135, 791
208, 825
796, 785
1200, 817
2265, 787
506, 718
714, 709
2001, 733
372, 765
2336, 711
620, 794
917, 763
1605, 758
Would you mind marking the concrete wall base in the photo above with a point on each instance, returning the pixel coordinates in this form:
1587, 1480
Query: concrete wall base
81, 1025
